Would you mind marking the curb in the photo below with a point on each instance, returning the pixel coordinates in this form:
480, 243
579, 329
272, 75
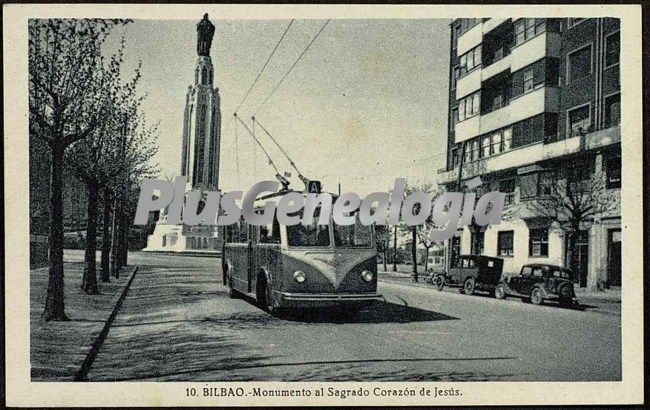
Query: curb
422, 285
82, 373
216, 254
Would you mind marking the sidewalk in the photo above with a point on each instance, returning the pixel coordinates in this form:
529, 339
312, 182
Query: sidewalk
58, 349
584, 295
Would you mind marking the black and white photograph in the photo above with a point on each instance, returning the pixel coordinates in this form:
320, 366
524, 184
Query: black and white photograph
375, 206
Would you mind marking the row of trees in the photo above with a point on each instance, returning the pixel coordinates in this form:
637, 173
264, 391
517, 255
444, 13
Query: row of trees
88, 115
387, 236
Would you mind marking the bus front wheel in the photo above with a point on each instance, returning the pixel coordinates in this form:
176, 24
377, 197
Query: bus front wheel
265, 297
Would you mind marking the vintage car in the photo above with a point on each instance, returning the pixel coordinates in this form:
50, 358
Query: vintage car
472, 273
537, 283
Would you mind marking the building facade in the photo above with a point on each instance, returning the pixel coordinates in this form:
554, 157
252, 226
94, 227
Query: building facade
200, 154
534, 110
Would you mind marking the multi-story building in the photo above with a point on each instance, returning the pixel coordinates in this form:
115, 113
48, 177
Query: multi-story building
534, 103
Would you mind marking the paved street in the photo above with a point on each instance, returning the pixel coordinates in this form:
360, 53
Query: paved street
177, 323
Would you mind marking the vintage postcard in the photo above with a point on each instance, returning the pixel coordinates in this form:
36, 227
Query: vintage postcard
323, 205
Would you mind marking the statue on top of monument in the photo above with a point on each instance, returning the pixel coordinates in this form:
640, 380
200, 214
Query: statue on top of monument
204, 34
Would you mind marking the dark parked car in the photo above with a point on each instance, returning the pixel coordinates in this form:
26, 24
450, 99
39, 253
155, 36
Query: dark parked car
539, 282
472, 273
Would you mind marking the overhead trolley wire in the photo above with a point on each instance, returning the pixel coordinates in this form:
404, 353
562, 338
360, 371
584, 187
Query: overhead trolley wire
258, 143
262, 70
264, 66
294, 64
279, 146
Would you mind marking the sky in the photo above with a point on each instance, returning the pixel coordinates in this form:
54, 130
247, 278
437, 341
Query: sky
366, 104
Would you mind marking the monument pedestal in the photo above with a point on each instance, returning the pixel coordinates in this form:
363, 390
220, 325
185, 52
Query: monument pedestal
184, 238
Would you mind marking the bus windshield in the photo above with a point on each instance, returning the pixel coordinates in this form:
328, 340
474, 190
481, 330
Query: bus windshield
311, 235
353, 236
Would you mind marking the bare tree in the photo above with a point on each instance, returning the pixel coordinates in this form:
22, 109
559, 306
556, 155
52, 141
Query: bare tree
576, 197
64, 62
140, 147
414, 230
382, 234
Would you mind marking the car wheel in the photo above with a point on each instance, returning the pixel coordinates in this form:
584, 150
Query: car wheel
440, 283
536, 297
500, 292
468, 286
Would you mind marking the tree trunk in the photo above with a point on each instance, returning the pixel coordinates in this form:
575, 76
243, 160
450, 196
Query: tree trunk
414, 252
572, 255
395, 249
89, 283
54, 301
386, 245
124, 241
115, 239
426, 259
106, 238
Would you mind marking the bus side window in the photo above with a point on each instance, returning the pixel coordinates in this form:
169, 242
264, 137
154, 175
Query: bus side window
238, 232
270, 233
254, 233
244, 231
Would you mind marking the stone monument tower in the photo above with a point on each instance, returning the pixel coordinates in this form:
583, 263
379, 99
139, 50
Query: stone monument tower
200, 152
202, 118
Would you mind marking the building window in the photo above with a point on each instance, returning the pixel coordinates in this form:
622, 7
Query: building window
612, 49
466, 153
527, 28
469, 106
455, 73
475, 150
572, 22
528, 186
613, 171
470, 60
545, 184
507, 186
579, 63
454, 118
550, 127
467, 24
455, 33
613, 110
485, 146
507, 139
528, 79
454, 157
477, 243
496, 143
579, 120
506, 243
538, 242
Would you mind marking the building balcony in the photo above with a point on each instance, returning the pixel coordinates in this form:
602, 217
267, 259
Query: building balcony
468, 83
468, 128
492, 23
546, 44
533, 153
446, 177
603, 138
496, 67
470, 39
537, 101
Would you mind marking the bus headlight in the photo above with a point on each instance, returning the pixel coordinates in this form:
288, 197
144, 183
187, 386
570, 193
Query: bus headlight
299, 276
367, 275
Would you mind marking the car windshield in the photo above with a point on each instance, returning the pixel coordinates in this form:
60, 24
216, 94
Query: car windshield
562, 273
311, 235
353, 236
